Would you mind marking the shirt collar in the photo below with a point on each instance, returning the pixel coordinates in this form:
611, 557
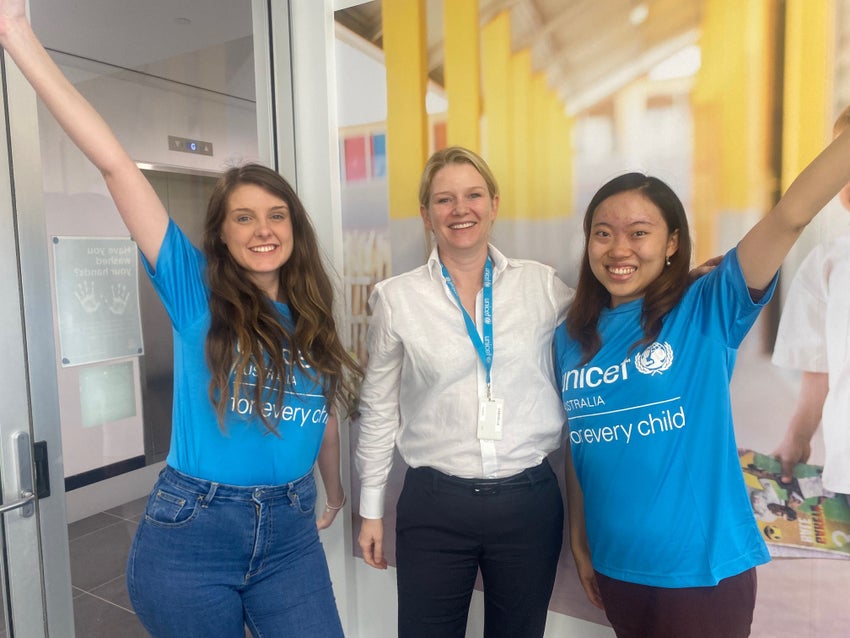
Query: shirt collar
500, 262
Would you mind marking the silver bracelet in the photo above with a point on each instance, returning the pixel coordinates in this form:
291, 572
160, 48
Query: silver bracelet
334, 508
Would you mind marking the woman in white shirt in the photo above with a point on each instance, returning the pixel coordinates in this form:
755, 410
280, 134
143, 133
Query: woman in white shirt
460, 379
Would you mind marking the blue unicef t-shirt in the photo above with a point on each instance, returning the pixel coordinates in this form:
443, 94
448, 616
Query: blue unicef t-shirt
652, 438
245, 453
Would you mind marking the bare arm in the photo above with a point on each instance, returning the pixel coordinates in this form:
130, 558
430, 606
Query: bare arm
763, 249
578, 534
328, 463
137, 202
796, 445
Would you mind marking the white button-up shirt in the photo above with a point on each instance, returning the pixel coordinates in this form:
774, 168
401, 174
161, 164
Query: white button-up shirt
814, 336
424, 378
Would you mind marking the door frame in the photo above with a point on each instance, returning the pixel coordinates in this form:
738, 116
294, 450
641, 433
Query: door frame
39, 589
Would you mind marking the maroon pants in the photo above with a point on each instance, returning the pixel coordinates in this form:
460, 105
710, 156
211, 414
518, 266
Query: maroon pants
641, 611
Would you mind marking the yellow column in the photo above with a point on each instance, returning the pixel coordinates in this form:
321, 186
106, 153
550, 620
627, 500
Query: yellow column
807, 119
497, 147
536, 165
565, 165
462, 73
732, 115
554, 179
521, 114
406, 61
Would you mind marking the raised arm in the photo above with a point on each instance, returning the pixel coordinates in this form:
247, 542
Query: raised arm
137, 202
763, 249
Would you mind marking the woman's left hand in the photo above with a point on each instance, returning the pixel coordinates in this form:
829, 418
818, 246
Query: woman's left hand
328, 514
705, 267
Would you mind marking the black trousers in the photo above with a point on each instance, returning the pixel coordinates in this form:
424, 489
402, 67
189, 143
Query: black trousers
449, 528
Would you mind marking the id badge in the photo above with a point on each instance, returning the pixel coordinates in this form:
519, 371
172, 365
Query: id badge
490, 419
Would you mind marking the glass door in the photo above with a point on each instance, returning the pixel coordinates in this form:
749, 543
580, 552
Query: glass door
188, 87
34, 571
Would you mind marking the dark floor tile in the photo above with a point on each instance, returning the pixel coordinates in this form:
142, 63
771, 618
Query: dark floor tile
96, 618
101, 556
132, 511
115, 591
92, 523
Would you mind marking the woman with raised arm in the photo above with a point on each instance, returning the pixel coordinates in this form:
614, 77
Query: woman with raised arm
229, 537
661, 526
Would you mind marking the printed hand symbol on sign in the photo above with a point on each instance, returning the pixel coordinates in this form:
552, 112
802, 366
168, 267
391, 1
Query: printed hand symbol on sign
120, 295
86, 296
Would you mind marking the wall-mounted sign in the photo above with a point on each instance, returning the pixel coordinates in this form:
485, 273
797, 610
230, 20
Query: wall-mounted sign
97, 299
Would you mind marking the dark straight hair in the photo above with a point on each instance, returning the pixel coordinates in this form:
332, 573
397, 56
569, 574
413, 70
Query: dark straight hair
661, 295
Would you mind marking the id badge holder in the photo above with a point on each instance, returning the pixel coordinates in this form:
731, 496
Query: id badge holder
490, 419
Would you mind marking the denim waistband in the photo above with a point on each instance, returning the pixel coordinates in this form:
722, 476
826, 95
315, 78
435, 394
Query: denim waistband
525, 479
210, 489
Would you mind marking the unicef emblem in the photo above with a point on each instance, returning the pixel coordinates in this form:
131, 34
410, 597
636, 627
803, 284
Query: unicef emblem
655, 359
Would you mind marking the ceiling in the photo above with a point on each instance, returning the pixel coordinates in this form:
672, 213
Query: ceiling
199, 43
587, 48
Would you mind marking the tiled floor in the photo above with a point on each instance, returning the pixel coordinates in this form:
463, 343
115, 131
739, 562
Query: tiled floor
99, 546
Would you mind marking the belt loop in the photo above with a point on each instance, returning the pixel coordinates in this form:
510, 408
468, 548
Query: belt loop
292, 494
536, 474
207, 499
435, 480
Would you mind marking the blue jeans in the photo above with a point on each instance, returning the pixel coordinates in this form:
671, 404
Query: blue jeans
208, 559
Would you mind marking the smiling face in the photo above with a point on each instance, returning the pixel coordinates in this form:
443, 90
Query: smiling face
628, 244
257, 230
460, 210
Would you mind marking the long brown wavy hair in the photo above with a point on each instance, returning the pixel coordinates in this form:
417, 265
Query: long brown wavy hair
660, 296
246, 335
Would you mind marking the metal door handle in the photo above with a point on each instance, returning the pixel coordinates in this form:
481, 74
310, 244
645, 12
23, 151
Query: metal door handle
26, 501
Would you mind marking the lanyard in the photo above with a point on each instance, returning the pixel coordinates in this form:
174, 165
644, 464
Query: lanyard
484, 347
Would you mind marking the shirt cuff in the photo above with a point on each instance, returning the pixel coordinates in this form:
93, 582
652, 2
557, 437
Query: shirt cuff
372, 502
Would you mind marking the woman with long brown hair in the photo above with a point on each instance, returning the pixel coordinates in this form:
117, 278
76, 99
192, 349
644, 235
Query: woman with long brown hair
229, 537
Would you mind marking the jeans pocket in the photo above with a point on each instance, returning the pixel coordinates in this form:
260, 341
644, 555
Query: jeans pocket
303, 499
171, 507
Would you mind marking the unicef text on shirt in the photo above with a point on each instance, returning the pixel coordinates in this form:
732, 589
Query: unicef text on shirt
592, 377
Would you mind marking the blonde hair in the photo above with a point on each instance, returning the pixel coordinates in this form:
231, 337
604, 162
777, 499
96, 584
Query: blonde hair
454, 155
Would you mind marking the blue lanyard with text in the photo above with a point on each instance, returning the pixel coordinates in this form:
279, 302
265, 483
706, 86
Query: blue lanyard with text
483, 347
